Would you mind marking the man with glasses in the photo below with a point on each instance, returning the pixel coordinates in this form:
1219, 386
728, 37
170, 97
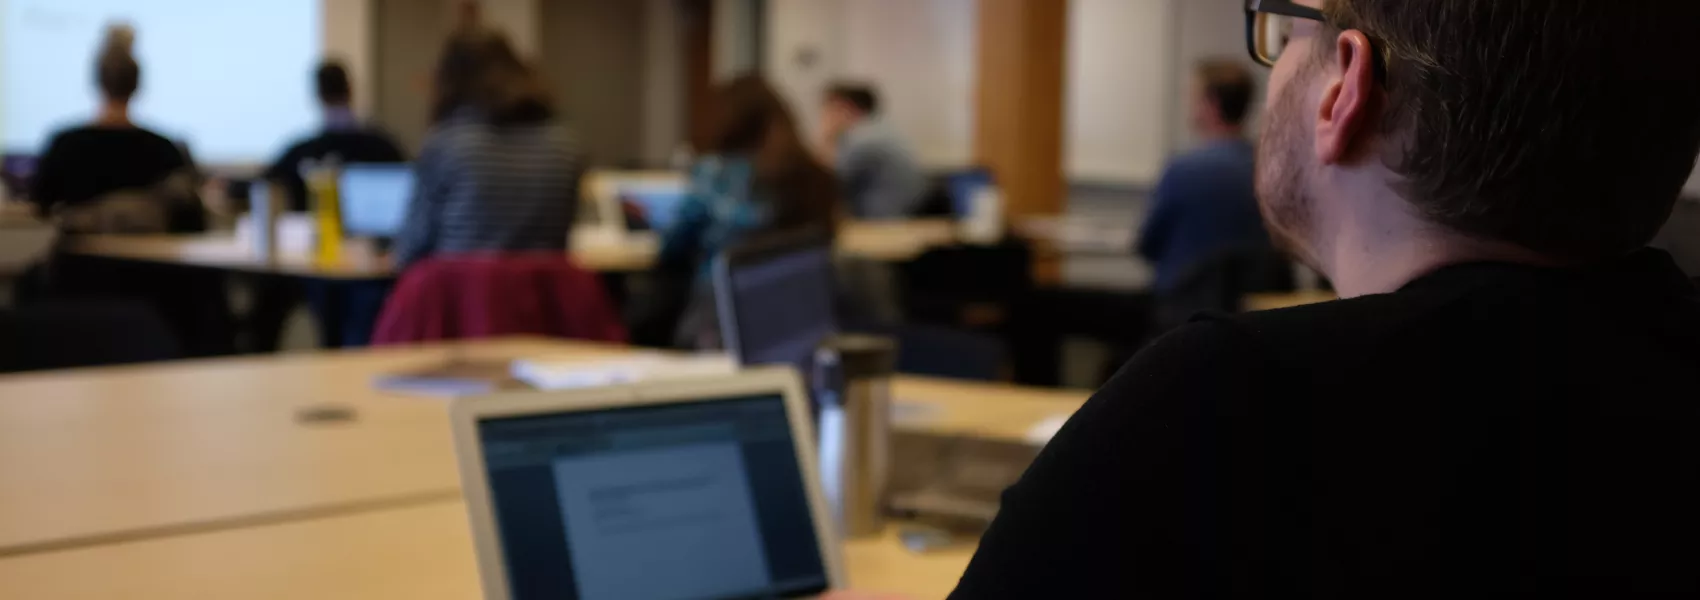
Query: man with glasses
1505, 403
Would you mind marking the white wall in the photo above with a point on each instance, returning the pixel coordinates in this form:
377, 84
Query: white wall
348, 37
734, 38
918, 53
1694, 182
520, 19
1206, 29
1120, 109
921, 54
663, 82
805, 53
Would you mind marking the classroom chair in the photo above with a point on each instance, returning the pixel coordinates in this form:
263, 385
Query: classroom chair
471, 297
83, 334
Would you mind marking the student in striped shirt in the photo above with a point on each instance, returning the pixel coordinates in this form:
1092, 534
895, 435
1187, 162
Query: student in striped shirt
497, 173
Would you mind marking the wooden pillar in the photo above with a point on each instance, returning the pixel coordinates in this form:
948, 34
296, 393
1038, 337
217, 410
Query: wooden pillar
1018, 130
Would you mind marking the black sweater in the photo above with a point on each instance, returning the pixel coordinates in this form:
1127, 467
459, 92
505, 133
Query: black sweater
1487, 431
86, 163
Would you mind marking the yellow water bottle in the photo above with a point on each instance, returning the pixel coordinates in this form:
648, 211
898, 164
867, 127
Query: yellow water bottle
323, 183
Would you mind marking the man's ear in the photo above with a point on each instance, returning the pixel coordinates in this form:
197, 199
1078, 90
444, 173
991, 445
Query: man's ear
1347, 112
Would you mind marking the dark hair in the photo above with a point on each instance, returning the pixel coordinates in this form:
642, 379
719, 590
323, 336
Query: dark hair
859, 95
116, 69
331, 81
1567, 128
480, 70
1229, 86
749, 118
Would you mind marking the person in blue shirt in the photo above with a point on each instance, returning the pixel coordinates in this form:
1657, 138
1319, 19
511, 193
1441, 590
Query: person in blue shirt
754, 176
1206, 204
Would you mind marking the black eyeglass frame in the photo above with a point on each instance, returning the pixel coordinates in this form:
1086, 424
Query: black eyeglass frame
1285, 8
1288, 8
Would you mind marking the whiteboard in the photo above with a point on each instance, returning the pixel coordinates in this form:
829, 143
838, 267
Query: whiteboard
231, 78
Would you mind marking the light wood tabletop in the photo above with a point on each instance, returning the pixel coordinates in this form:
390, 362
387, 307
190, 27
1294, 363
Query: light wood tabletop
880, 241
418, 553
1274, 301
228, 252
98, 456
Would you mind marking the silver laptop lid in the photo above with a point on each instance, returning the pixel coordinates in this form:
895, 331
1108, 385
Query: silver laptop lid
681, 490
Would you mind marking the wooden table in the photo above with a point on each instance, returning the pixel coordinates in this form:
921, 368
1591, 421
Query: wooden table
99, 456
882, 241
227, 252
418, 553
1273, 301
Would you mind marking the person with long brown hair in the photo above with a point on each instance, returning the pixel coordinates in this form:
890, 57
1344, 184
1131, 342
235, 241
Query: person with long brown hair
754, 176
497, 173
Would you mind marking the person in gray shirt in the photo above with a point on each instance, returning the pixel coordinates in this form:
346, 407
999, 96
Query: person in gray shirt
881, 177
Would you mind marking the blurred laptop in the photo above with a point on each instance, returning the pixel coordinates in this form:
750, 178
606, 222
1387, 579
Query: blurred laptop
651, 204
15, 173
374, 199
775, 297
680, 490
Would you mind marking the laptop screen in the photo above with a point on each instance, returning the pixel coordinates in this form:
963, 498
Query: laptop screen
375, 198
683, 501
658, 201
783, 307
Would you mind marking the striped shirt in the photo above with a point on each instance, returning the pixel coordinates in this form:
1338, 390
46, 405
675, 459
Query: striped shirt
488, 188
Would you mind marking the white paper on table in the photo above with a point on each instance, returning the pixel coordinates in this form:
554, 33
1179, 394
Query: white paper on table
567, 373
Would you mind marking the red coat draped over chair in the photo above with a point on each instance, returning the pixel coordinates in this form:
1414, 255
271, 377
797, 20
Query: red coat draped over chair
469, 297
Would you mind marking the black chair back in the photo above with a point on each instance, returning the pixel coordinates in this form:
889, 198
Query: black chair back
83, 334
1220, 283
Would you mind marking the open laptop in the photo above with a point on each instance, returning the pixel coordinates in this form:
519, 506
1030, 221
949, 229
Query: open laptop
680, 489
775, 298
657, 201
16, 170
374, 198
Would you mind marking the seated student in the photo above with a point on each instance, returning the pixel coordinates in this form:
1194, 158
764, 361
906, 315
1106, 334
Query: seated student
1204, 203
881, 177
345, 139
113, 155
497, 172
114, 176
1503, 406
754, 175
1203, 233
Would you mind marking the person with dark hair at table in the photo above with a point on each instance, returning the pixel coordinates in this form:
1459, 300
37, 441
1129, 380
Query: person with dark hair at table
345, 139
881, 177
342, 137
755, 176
1501, 407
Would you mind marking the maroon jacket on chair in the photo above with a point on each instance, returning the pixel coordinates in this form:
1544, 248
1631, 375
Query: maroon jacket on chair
481, 296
